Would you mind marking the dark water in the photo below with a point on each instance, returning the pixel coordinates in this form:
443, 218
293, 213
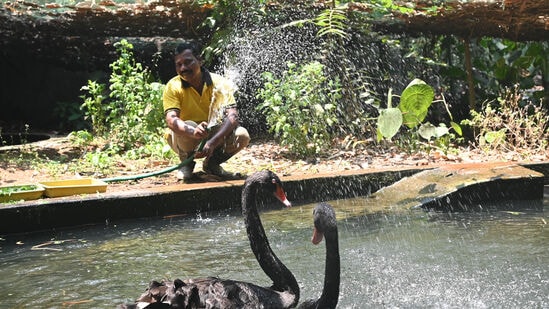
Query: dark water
413, 259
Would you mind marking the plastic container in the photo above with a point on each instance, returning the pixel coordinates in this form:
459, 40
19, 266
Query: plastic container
21, 192
73, 187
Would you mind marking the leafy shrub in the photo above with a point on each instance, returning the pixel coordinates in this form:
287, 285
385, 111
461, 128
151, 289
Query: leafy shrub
126, 117
300, 108
131, 111
511, 124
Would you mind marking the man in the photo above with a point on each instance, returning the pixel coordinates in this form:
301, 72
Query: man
200, 105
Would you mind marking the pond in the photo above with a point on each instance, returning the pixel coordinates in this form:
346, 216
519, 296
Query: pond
491, 259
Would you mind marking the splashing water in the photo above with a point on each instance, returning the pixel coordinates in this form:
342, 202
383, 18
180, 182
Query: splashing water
220, 100
257, 47
366, 65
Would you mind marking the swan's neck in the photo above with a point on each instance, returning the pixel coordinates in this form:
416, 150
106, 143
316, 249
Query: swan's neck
330, 292
283, 279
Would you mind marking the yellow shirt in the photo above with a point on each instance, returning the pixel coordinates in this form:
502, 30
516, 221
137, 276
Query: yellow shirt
217, 94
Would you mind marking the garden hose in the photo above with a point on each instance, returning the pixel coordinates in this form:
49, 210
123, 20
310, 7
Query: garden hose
160, 172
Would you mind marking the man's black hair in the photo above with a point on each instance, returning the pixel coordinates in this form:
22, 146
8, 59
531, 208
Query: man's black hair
193, 46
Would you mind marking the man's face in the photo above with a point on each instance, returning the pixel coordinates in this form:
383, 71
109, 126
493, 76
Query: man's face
187, 65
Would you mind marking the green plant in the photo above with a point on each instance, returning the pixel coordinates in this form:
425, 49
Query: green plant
300, 107
25, 134
94, 109
505, 63
80, 138
126, 116
132, 110
510, 125
383, 8
13, 189
331, 22
99, 160
415, 101
135, 100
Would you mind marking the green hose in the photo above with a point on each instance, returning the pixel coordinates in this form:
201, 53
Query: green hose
160, 172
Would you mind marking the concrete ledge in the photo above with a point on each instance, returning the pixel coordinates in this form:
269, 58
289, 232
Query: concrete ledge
176, 200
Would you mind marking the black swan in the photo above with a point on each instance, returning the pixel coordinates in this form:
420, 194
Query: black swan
326, 226
213, 292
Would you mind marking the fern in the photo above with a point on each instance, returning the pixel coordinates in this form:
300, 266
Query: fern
332, 22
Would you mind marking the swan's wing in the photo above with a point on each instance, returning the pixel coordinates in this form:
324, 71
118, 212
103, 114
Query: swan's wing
167, 294
225, 294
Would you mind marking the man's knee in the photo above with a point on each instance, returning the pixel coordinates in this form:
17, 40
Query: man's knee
242, 137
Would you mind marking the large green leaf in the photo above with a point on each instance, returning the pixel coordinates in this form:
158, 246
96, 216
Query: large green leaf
389, 122
415, 101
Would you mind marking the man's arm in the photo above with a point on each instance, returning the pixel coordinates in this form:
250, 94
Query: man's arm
179, 127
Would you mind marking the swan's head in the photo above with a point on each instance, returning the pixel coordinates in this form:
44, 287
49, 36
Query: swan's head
269, 181
324, 220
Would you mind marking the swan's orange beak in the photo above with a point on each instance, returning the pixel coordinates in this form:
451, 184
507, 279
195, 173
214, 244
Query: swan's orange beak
281, 196
317, 236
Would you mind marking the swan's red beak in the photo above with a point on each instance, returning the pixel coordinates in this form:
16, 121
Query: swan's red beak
281, 196
317, 236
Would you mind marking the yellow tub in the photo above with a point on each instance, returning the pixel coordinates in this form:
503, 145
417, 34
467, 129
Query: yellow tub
21, 192
73, 187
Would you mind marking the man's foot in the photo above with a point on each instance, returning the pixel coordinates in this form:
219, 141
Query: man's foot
217, 170
185, 172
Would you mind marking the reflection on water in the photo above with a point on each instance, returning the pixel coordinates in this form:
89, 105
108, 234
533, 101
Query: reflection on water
413, 259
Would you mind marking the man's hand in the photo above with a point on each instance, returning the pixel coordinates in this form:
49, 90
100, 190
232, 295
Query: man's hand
206, 151
201, 131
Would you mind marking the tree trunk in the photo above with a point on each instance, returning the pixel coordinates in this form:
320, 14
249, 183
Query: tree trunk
470, 77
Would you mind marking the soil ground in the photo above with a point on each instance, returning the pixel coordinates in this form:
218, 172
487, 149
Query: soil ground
260, 154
